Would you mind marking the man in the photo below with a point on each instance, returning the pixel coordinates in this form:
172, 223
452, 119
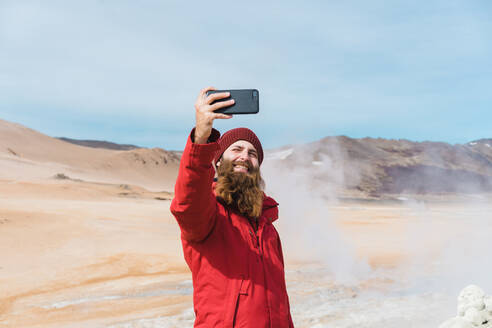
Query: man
229, 241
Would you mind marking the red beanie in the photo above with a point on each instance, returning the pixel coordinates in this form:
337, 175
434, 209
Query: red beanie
234, 135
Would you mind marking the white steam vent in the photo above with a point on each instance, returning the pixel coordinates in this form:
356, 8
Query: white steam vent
474, 310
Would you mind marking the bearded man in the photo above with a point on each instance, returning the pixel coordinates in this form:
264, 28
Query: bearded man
229, 242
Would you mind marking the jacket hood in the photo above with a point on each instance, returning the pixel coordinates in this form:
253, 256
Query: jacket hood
268, 202
270, 209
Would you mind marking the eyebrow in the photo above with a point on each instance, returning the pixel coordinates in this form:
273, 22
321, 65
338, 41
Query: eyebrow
242, 147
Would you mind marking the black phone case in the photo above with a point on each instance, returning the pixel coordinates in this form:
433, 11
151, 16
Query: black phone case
246, 101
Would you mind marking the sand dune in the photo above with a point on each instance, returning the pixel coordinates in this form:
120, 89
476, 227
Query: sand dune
28, 154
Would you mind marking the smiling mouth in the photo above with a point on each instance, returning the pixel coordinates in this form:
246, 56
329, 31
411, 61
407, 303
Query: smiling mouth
241, 168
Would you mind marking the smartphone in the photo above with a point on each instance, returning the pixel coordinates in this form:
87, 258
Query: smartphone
246, 101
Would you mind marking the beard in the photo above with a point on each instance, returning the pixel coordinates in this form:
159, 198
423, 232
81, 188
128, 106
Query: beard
241, 191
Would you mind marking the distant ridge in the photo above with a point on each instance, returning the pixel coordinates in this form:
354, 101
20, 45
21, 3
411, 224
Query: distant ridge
375, 166
99, 144
486, 142
356, 168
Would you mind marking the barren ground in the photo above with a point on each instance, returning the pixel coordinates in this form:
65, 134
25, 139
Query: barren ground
81, 254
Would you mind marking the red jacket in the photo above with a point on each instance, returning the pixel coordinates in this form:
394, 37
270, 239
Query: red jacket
238, 274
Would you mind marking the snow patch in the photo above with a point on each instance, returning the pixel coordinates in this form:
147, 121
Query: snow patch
283, 154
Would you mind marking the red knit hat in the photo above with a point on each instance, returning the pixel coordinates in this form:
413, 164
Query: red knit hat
234, 135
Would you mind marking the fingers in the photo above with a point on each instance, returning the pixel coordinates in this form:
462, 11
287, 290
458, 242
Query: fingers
203, 92
203, 102
221, 104
222, 116
214, 96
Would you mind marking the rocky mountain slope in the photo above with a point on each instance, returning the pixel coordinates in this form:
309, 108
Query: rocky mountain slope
367, 167
374, 167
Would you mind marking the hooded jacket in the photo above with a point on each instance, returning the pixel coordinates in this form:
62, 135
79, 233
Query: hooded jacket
237, 271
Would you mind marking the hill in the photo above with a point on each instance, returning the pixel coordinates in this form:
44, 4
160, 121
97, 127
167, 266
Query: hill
374, 167
28, 154
99, 144
365, 168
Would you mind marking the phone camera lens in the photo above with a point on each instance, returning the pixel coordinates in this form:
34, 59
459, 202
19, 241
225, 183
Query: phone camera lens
255, 94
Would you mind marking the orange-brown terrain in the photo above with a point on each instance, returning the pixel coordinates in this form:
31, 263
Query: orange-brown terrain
87, 239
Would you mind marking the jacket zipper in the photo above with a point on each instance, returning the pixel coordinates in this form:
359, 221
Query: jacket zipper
258, 243
236, 308
256, 233
258, 237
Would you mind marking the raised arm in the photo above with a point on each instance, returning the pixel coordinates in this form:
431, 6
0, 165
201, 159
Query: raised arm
194, 204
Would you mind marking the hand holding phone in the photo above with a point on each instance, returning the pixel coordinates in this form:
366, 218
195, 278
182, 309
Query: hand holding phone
205, 115
246, 101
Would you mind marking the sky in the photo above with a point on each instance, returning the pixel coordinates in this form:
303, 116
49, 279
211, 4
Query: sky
130, 71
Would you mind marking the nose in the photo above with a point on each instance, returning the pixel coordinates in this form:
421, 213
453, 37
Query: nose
244, 156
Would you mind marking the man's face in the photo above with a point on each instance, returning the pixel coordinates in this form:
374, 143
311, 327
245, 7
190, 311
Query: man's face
242, 154
239, 183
